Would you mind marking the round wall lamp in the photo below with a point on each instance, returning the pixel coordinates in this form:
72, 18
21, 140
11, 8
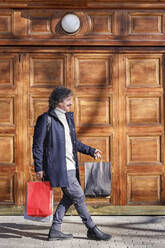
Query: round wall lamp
70, 23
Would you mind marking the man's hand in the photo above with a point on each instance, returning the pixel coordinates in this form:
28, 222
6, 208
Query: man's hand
97, 154
40, 174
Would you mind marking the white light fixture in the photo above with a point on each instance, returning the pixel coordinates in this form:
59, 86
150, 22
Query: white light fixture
70, 23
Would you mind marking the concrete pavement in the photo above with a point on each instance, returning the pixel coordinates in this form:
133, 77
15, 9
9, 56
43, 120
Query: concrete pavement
127, 232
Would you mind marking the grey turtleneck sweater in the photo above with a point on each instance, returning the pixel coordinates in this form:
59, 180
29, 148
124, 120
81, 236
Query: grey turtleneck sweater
70, 162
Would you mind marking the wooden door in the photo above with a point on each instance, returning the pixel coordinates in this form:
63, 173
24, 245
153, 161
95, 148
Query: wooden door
141, 124
44, 71
94, 81
11, 132
94, 95
118, 106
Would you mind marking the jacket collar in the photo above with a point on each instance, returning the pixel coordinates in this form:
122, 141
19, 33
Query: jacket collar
52, 113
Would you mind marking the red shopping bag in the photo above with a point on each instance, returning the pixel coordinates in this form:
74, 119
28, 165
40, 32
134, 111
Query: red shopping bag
39, 199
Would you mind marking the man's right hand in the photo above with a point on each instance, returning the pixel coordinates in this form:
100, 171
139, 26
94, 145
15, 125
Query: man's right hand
40, 174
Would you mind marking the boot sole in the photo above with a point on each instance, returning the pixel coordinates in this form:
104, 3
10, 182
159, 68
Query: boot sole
97, 239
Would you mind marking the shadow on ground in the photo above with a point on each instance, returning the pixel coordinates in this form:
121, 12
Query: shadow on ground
13, 230
144, 228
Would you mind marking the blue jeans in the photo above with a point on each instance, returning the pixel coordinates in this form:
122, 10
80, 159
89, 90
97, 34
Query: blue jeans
72, 194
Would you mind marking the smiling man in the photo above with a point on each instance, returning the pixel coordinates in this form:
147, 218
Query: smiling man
55, 148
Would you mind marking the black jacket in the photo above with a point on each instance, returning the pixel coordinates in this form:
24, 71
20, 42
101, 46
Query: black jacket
49, 148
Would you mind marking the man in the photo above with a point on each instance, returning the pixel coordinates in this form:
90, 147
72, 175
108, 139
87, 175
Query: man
55, 148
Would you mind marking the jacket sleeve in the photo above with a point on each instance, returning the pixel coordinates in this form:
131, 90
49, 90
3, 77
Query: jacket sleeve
88, 150
40, 131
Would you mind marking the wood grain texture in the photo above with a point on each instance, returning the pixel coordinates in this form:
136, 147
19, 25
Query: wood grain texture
124, 117
104, 27
144, 189
69, 4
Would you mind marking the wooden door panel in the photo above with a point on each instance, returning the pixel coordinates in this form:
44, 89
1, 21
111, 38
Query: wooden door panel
7, 111
93, 111
143, 71
144, 150
7, 154
142, 135
46, 71
99, 67
8, 71
102, 143
143, 110
10, 130
37, 107
144, 188
36, 26
94, 82
145, 23
6, 23
102, 23
7, 185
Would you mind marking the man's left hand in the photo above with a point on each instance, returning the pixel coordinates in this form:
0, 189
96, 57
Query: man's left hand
97, 154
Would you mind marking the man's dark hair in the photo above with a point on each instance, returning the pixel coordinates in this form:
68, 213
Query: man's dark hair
58, 95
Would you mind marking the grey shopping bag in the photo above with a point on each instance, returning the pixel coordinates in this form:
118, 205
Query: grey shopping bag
97, 179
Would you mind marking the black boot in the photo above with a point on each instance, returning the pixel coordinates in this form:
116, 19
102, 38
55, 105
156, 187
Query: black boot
57, 235
96, 234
